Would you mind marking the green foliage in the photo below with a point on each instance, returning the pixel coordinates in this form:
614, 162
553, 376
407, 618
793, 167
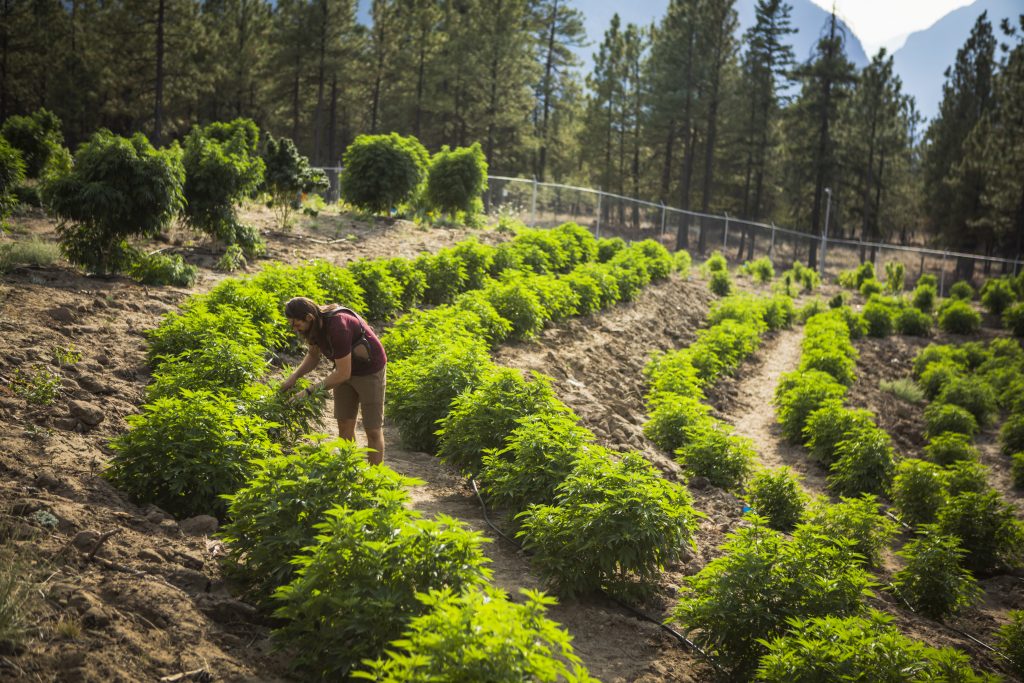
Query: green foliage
31, 252
923, 298
913, 322
987, 528
962, 290
411, 280
36, 136
933, 581
945, 449
293, 418
12, 174
800, 274
556, 296
118, 188
184, 452
965, 476
864, 463
711, 450
537, 456
895, 276
855, 524
382, 293
1010, 639
457, 179
831, 423
477, 261
853, 279
382, 171
762, 581
720, 349
222, 364
659, 260
957, 317
261, 307
682, 262
720, 284
231, 260
480, 419
16, 591
1013, 319
338, 284
160, 270
603, 276
880, 315
798, 395
834, 648
777, 496
480, 635
629, 267
670, 416
997, 295
607, 247
66, 356
869, 288
614, 523
834, 362
422, 385
586, 291
355, 590
196, 327
944, 417
1011, 434
287, 176
904, 388
760, 270
39, 386
937, 376
274, 515
810, 309
444, 276
918, 490
972, 394
715, 263
519, 304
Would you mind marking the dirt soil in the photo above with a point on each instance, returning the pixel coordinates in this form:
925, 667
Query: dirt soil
124, 592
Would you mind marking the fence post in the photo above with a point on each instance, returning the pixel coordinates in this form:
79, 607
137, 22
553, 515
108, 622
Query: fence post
942, 277
662, 218
533, 204
771, 247
725, 233
597, 230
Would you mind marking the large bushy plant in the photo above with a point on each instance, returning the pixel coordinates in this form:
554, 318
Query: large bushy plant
933, 581
12, 173
382, 171
456, 180
288, 175
36, 136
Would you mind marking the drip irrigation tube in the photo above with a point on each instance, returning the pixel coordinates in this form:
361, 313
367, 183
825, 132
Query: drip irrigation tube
629, 608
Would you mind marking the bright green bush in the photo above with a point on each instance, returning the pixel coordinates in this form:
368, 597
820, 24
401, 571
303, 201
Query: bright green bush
481, 418
519, 304
160, 270
537, 456
659, 261
971, 394
998, 295
871, 287
1010, 639
987, 528
918, 490
1011, 434
445, 276
494, 328
711, 450
274, 516
338, 284
382, 171
933, 581
580, 247
895, 276
231, 260
221, 365
184, 452
1017, 469
293, 418
865, 462
355, 590
586, 291
779, 312
480, 635
720, 284
957, 317
543, 251
854, 524
777, 496
966, 476
880, 316
607, 283
477, 261
829, 424
944, 417
761, 582
937, 376
1013, 319
947, 448
556, 296
615, 525
673, 373
36, 136
410, 279
456, 180
670, 416
118, 188
913, 322
923, 298
382, 293
287, 176
12, 174
263, 309
798, 395
607, 247
682, 262
856, 648
715, 263
631, 274
962, 290
759, 270
853, 279
720, 349
834, 362
196, 327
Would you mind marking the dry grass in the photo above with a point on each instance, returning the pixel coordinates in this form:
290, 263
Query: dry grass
30, 252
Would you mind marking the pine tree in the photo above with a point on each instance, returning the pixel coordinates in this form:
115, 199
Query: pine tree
560, 31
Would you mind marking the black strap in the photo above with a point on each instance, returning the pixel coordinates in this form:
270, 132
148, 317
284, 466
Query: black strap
361, 340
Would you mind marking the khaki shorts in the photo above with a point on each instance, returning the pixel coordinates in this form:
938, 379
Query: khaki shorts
366, 391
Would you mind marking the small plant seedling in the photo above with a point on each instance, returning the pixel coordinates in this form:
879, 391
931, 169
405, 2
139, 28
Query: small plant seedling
66, 356
38, 386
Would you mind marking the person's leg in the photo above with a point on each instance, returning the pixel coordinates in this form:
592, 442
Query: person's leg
371, 400
375, 442
347, 429
346, 407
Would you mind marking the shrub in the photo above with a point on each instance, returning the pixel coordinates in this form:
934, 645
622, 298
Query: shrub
410, 279
1010, 639
945, 449
997, 295
1017, 469
31, 252
944, 417
519, 304
492, 327
556, 297
197, 327
681, 262
987, 528
671, 416
853, 279
274, 516
36, 136
810, 309
868, 288
118, 188
586, 291
479, 635
184, 452
855, 648
962, 290
971, 394
864, 463
659, 261
580, 247
829, 424
38, 386
382, 171
607, 283
923, 298
422, 386
854, 524
477, 261
913, 322
798, 395
928, 279
355, 590
480, 419
933, 581
12, 174
937, 376
711, 450
1011, 434
382, 293
537, 456
895, 275
904, 389
293, 418
836, 363
630, 270
760, 270
918, 490
231, 260
715, 263
220, 173
456, 180
777, 496
160, 270
222, 364
880, 316
445, 276
288, 175
720, 284
338, 284
720, 349
966, 476
1013, 319
750, 593
542, 251
957, 317
779, 312
607, 247
613, 523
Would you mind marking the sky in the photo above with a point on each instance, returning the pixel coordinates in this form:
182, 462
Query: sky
887, 23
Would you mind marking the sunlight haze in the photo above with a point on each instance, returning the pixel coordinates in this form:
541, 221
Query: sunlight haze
888, 22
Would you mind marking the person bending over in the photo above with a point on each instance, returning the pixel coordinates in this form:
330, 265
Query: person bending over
360, 366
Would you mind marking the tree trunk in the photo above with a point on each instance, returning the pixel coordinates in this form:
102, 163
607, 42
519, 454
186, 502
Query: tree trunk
549, 65
158, 109
321, 75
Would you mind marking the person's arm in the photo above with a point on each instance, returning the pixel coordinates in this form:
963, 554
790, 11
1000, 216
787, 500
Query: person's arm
308, 363
341, 374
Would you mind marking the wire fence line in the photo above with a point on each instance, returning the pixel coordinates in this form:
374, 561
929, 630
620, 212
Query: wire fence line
608, 214
613, 215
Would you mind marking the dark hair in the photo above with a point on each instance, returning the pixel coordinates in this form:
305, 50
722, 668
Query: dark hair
299, 307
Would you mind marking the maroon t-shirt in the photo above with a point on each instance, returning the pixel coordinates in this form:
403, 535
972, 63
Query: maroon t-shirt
340, 330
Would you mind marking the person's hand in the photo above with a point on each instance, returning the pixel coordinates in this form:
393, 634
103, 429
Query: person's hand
286, 385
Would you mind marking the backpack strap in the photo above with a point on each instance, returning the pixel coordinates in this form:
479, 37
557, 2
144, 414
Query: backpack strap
360, 340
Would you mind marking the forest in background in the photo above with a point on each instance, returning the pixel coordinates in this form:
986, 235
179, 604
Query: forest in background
683, 111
